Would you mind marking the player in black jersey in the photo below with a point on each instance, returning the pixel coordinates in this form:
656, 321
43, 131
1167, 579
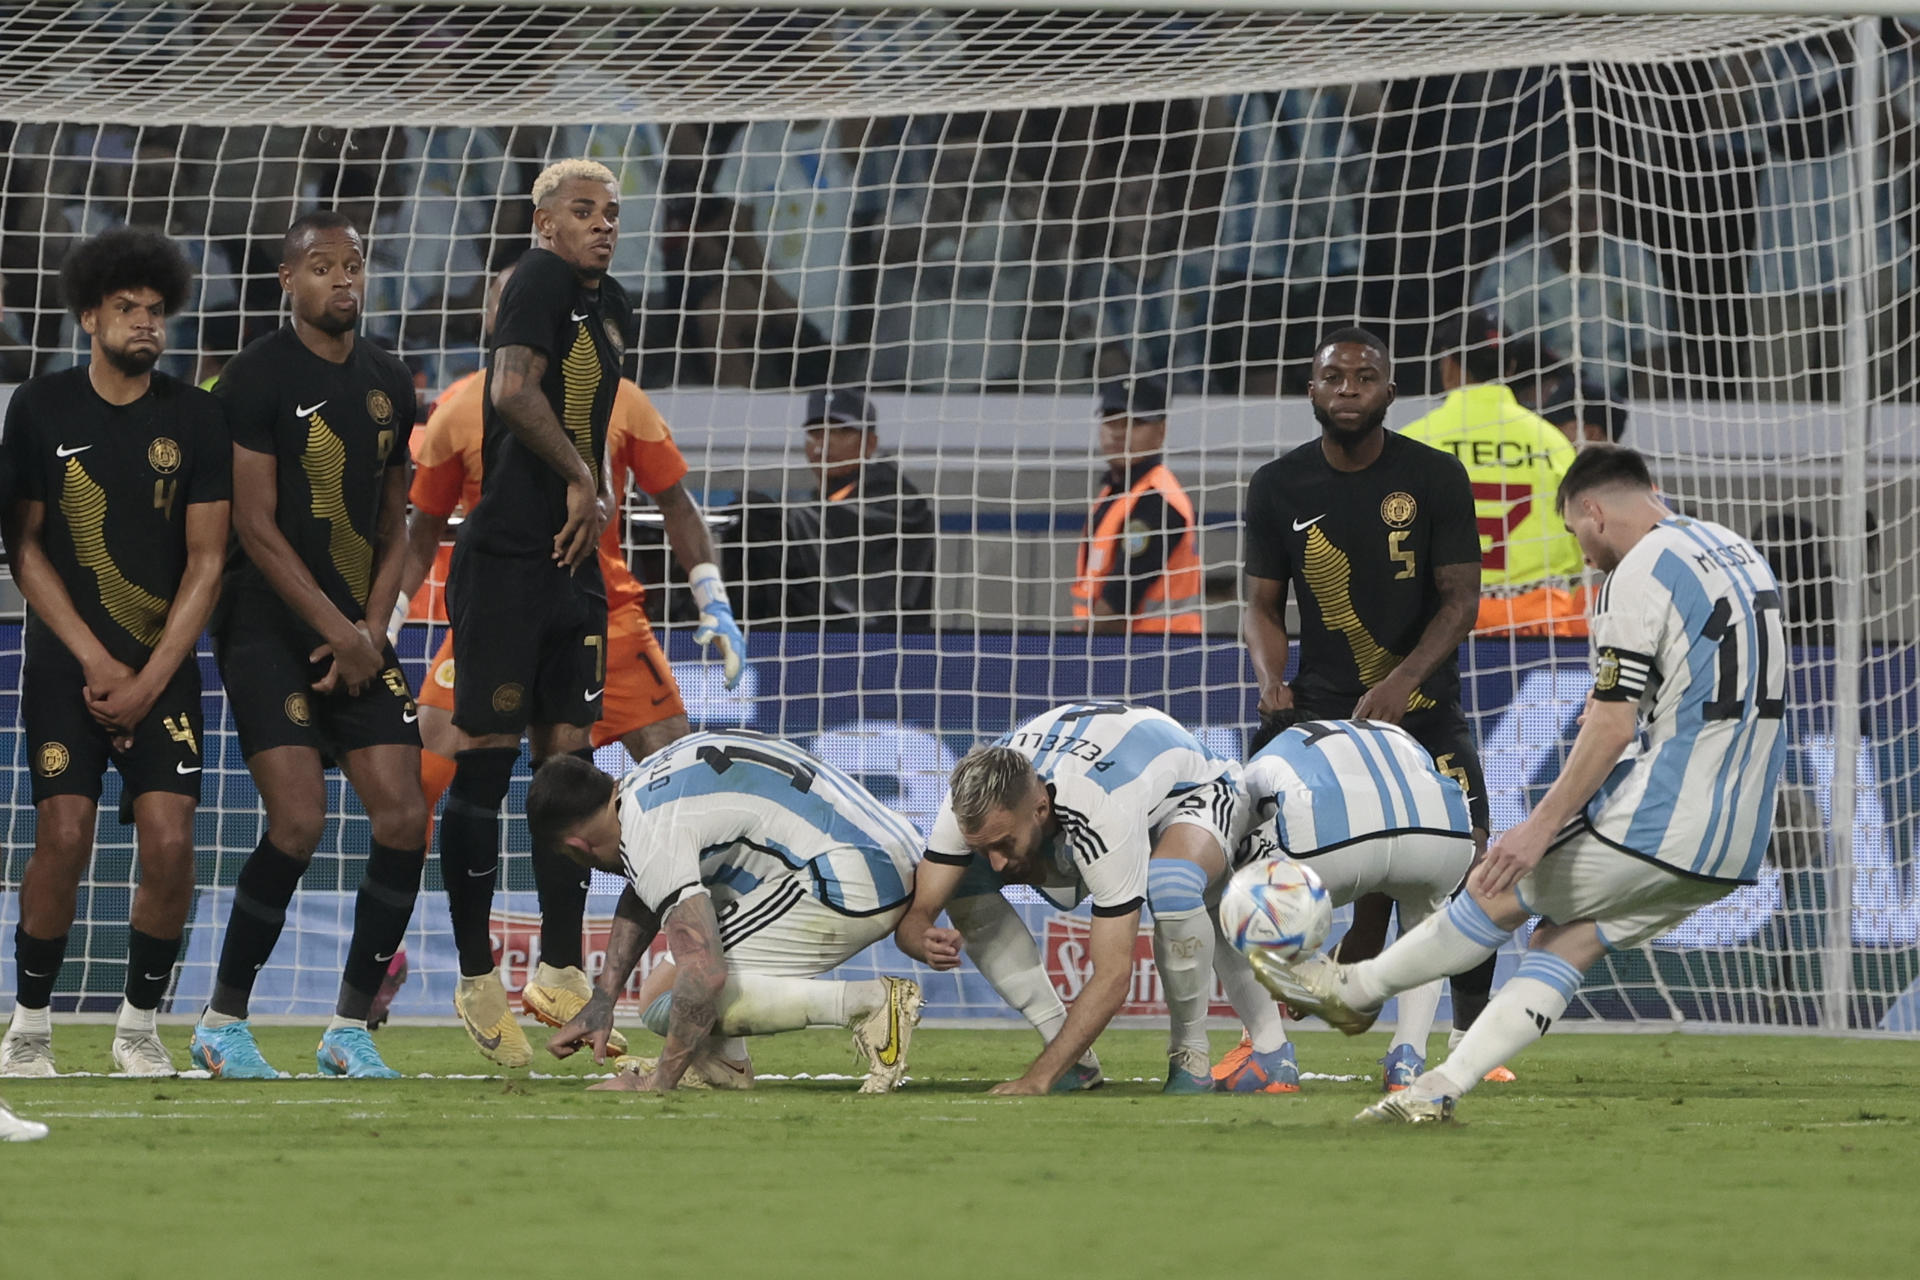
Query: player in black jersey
524, 592
320, 422
1377, 534
117, 530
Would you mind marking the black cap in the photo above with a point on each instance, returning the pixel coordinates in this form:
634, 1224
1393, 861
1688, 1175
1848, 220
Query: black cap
1143, 397
840, 407
1565, 402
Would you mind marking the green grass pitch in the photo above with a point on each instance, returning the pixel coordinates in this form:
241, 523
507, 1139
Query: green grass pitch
1614, 1156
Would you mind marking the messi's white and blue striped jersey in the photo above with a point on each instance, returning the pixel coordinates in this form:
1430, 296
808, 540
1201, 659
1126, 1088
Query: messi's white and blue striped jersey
1116, 772
723, 811
1688, 627
1327, 783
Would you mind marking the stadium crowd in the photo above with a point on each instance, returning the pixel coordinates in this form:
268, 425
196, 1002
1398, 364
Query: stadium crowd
1203, 240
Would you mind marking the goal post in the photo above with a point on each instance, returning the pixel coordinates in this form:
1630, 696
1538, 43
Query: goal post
1697, 225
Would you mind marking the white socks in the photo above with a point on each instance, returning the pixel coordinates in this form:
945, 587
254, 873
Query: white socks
1413, 1022
1521, 1012
33, 1022
1449, 941
1003, 950
135, 1022
336, 1022
754, 1004
1255, 1008
1183, 953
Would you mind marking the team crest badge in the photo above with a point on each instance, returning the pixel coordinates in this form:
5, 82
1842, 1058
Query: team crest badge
163, 455
299, 710
380, 407
506, 698
615, 339
1608, 675
53, 760
443, 674
1398, 509
1137, 536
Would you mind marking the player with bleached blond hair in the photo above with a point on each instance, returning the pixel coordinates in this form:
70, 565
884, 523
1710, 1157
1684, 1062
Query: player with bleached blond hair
525, 596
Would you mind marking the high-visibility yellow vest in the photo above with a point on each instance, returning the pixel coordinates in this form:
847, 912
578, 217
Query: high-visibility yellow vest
1515, 459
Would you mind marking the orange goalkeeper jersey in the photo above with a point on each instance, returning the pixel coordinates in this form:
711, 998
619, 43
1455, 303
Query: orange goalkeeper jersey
447, 465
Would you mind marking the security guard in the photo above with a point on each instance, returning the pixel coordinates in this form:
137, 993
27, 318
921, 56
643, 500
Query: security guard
1140, 562
1531, 567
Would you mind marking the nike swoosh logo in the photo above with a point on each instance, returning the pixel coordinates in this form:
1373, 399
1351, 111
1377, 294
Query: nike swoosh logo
67, 451
312, 408
383, 959
594, 693
489, 871
183, 770
161, 976
487, 1042
28, 973
408, 717
662, 698
1298, 525
891, 1054
578, 316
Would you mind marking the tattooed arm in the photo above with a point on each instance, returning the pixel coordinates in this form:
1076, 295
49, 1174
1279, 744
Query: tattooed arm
513, 385
693, 935
634, 927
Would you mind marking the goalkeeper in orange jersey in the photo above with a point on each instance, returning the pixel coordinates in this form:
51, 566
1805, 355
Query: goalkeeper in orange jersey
641, 706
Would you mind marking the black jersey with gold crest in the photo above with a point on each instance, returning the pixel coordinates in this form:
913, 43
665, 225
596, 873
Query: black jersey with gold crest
584, 334
1360, 549
334, 430
117, 481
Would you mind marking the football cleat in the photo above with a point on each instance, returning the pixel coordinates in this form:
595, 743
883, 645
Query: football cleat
1235, 1059
1082, 1077
1187, 1073
1403, 1065
706, 1071
22, 1054
229, 1052
556, 996
396, 977
1314, 985
882, 1037
1271, 1072
140, 1053
482, 1005
1500, 1075
13, 1128
1408, 1108
349, 1051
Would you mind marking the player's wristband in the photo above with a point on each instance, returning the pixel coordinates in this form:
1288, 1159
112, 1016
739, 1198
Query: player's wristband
708, 588
398, 616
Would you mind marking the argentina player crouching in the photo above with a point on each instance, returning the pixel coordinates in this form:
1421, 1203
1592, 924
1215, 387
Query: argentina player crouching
1123, 806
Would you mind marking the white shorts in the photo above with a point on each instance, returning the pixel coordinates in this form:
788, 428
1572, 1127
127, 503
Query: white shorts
1419, 870
780, 929
1630, 900
1217, 808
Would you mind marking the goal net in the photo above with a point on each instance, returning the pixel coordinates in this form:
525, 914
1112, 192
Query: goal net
1695, 232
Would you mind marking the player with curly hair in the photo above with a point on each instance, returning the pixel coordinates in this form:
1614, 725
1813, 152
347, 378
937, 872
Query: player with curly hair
117, 527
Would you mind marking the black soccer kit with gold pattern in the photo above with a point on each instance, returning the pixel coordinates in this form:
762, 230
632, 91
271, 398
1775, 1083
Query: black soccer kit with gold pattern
334, 431
1359, 550
116, 481
529, 636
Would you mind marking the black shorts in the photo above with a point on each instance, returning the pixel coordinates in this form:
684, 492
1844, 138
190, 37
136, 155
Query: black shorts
529, 643
70, 750
270, 688
1444, 732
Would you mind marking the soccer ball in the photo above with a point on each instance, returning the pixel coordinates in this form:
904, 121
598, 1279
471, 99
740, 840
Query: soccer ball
1276, 907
